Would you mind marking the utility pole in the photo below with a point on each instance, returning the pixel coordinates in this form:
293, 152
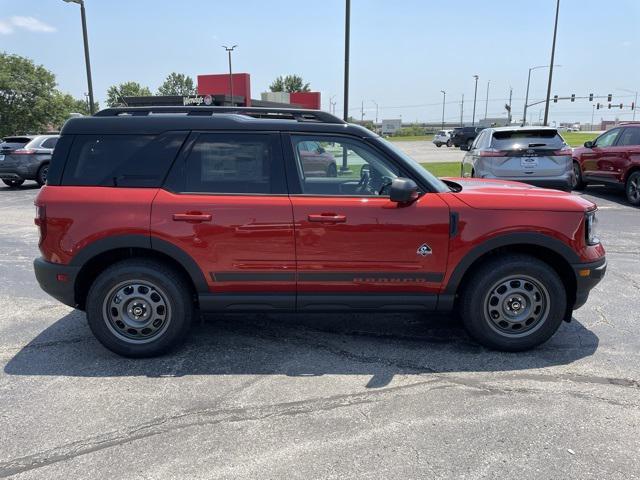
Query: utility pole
510, 96
486, 100
475, 94
376, 104
553, 52
85, 38
229, 50
362, 111
462, 110
444, 97
593, 112
345, 114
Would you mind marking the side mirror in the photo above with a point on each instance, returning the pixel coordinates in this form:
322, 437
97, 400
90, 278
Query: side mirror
465, 147
589, 144
403, 190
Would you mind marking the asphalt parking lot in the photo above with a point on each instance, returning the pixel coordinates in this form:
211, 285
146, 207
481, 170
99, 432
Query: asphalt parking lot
320, 396
426, 152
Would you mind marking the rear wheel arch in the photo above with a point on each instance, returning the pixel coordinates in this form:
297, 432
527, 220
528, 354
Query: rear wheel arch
631, 171
98, 256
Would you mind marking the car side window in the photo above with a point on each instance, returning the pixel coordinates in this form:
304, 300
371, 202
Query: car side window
607, 139
367, 172
50, 142
629, 136
234, 163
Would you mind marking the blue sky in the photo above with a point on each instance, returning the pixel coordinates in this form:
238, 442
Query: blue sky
403, 52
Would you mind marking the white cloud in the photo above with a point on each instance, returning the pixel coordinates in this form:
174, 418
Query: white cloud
31, 24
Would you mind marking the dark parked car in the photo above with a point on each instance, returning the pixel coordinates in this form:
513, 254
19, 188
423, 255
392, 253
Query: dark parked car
613, 159
26, 157
464, 135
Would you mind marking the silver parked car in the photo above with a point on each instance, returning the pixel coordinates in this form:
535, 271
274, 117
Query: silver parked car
535, 155
26, 157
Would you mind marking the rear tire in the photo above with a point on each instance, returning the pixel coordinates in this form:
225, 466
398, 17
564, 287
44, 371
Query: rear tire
513, 303
449, 143
41, 176
632, 189
140, 308
438, 145
13, 183
578, 182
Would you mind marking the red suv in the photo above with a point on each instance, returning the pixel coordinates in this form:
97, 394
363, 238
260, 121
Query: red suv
147, 218
613, 159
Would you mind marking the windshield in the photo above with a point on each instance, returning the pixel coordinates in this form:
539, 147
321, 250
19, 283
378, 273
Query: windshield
431, 179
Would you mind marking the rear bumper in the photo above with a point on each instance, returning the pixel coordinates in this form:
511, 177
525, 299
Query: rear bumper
57, 280
588, 275
558, 183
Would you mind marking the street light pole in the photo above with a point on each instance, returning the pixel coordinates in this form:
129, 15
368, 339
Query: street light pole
475, 94
462, 110
83, 16
526, 97
444, 97
553, 52
376, 104
593, 112
345, 112
229, 50
486, 100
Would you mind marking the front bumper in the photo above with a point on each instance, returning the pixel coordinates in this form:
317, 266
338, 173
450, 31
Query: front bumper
588, 275
57, 280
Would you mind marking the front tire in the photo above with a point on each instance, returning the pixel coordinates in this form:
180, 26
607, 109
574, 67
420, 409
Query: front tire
13, 183
438, 145
140, 308
632, 189
578, 182
449, 143
513, 303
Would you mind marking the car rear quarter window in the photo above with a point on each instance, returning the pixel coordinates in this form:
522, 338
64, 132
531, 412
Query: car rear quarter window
121, 160
233, 163
629, 136
516, 139
49, 142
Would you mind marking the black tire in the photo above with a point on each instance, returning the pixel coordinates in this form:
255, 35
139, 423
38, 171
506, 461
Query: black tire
449, 143
632, 189
41, 176
332, 170
578, 182
438, 145
534, 298
172, 294
13, 183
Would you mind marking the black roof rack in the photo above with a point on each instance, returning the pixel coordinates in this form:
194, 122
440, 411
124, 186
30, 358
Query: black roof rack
301, 115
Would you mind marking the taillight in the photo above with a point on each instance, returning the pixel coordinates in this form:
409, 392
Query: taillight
492, 153
41, 221
565, 152
24, 151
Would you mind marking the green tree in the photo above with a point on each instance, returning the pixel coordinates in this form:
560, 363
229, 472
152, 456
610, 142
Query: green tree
26, 94
290, 84
126, 89
177, 84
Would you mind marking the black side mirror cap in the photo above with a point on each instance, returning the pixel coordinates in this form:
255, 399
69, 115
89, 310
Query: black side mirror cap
403, 190
588, 144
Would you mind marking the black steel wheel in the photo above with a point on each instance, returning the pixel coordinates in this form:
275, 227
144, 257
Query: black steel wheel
512, 303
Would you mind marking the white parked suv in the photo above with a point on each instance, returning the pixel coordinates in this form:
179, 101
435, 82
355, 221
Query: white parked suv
443, 137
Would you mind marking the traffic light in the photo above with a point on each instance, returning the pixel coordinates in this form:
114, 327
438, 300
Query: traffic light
621, 106
573, 97
591, 97
633, 105
609, 97
555, 99
609, 106
597, 106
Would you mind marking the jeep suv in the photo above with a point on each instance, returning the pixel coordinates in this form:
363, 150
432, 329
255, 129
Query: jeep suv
150, 215
612, 159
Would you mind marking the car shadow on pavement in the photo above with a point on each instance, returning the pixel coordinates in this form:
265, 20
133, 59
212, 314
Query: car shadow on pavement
607, 193
375, 345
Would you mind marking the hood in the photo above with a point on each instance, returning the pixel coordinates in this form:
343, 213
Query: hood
492, 194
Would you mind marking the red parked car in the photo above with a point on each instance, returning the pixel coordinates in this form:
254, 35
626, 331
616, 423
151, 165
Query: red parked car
613, 159
146, 219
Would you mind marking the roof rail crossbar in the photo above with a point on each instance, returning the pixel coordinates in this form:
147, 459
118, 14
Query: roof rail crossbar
299, 114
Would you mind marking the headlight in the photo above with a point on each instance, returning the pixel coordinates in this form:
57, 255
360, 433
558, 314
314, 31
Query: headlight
591, 228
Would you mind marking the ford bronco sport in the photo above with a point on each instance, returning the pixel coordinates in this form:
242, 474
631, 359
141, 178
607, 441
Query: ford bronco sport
152, 214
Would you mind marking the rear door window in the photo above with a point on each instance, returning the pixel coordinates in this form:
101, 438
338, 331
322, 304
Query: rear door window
121, 160
519, 139
233, 163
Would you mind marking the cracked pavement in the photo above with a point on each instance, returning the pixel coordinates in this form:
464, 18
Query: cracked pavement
320, 396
